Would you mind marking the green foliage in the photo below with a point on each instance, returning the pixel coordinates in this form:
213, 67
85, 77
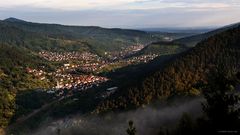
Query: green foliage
13, 78
181, 75
7, 105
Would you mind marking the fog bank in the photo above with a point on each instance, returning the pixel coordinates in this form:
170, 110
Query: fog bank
147, 120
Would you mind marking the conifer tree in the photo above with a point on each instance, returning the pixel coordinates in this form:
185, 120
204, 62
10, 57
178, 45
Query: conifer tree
131, 129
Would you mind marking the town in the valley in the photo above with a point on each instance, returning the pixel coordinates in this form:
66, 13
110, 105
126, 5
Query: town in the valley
80, 71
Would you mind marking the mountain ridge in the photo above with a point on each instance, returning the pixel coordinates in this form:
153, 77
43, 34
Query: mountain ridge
193, 40
98, 39
13, 19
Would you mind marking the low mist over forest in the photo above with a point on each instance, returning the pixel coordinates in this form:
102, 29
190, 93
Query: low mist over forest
147, 120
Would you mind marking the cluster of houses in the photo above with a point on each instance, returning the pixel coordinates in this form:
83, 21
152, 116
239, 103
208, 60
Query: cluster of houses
127, 51
88, 67
142, 58
67, 79
134, 60
80, 82
66, 56
92, 67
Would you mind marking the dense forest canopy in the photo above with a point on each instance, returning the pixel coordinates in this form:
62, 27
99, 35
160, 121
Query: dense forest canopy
13, 77
183, 75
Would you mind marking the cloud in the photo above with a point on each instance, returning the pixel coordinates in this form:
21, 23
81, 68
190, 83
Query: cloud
63, 4
118, 4
125, 13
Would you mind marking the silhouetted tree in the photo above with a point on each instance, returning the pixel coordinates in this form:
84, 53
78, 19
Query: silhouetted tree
131, 129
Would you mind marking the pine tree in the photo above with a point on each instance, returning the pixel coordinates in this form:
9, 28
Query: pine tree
131, 129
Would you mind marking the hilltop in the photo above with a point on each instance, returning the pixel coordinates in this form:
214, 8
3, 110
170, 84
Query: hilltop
12, 19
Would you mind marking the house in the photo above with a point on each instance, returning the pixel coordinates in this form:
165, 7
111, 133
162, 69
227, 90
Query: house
112, 89
66, 65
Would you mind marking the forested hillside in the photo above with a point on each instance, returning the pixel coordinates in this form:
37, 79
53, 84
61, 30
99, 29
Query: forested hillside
183, 75
15, 36
38, 36
13, 78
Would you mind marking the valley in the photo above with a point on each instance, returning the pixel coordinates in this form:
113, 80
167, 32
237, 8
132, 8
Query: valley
57, 77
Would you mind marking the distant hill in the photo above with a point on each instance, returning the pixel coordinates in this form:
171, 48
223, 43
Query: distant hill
193, 40
182, 75
178, 30
94, 38
13, 36
12, 19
